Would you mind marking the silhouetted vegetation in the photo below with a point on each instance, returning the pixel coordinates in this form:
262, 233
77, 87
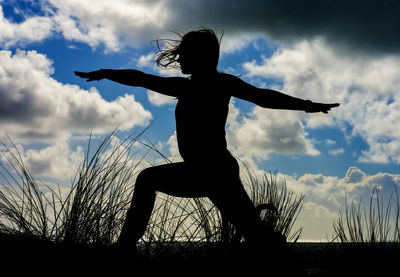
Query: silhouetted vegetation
373, 225
93, 210
369, 234
86, 218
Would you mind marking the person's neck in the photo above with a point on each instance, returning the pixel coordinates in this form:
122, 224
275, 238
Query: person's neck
204, 74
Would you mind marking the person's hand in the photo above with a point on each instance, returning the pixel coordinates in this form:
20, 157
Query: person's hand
91, 76
312, 107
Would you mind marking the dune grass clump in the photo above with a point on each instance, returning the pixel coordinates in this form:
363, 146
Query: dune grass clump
374, 225
278, 207
369, 235
93, 210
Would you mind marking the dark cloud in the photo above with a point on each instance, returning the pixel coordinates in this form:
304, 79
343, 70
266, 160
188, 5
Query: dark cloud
364, 25
359, 25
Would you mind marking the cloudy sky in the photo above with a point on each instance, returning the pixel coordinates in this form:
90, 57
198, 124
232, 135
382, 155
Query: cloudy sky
325, 51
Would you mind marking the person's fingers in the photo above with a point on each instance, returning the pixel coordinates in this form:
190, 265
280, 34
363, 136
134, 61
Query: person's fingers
328, 107
82, 74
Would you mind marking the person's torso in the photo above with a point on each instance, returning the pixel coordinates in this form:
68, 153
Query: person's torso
201, 115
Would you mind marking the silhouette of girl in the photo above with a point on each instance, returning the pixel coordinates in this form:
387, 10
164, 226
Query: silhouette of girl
208, 169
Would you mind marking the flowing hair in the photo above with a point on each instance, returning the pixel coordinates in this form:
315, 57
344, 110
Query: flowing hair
203, 42
167, 50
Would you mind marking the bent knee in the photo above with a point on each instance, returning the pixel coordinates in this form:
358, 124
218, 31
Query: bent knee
145, 176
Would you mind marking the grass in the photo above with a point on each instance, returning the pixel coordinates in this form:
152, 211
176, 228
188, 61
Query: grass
278, 207
375, 225
90, 213
370, 235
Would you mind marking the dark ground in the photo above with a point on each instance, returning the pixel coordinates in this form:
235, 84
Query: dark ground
336, 259
27, 255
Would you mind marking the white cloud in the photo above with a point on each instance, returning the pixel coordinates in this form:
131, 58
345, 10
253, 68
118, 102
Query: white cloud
262, 131
33, 29
354, 175
325, 196
330, 142
366, 86
34, 106
111, 23
330, 191
234, 42
173, 148
158, 99
336, 152
55, 161
358, 183
146, 61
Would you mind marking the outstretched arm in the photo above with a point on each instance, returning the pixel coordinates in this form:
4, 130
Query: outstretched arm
268, 98
171, 86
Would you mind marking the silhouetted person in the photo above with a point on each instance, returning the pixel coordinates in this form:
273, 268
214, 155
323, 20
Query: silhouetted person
208, 169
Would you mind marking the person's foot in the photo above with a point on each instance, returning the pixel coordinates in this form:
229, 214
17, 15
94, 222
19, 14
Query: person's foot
127, 247
266, 238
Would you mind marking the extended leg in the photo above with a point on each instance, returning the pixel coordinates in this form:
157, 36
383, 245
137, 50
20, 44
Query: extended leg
139, 212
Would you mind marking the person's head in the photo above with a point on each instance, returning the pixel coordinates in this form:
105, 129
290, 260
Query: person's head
195, 52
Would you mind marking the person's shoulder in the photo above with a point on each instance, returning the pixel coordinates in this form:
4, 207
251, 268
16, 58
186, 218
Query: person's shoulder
230, 83
226, 77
